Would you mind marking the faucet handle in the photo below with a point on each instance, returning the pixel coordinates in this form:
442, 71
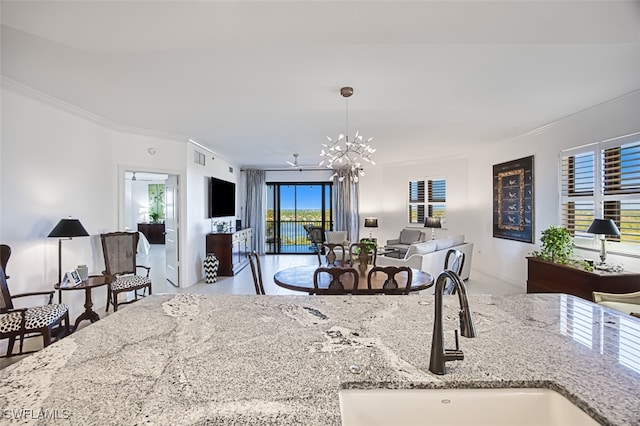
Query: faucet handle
454, 354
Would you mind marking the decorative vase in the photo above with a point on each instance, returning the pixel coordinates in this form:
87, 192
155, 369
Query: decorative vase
220, 227
211, 264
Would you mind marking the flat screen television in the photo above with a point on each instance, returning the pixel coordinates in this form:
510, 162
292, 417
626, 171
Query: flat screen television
222, 198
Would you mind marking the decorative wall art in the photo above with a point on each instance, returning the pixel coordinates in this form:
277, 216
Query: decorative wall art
513, 200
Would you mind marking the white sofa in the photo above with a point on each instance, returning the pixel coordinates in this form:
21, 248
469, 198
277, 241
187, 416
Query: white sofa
429, 255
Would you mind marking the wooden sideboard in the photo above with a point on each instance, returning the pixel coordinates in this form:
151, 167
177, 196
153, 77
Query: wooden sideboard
549, 277
153, 231
231, 250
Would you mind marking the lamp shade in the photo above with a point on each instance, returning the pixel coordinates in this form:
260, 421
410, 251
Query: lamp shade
370, 222
603, 227
68, 228
432, 222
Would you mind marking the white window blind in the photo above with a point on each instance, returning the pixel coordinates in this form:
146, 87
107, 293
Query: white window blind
603, 181
427, 198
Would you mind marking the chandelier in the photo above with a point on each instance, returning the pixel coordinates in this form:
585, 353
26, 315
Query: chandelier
343, 154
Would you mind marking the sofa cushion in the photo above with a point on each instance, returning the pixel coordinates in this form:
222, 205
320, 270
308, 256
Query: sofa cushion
408, 236
420, 248
443, 243
456, 240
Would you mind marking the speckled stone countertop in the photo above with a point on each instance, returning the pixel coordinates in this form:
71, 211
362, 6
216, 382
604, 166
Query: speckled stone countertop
243, 360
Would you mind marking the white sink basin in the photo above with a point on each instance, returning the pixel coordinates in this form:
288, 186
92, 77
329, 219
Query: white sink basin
449, 407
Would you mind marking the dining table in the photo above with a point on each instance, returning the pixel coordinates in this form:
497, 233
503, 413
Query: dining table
300, 278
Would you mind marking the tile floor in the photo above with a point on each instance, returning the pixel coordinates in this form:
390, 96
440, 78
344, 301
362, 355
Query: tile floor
242, 283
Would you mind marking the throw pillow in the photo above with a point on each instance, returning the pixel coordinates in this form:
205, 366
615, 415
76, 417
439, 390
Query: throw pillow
336, 237
443, 243
457, 239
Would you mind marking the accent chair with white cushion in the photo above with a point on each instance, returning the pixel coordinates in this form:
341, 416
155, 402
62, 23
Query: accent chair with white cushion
338, 237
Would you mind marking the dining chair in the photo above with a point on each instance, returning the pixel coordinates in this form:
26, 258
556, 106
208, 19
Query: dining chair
629, 303
46, 320
119, 249
362, 253
335, 286
332, 250
5, 254
315, 234
391, 283
256, 271
453, 261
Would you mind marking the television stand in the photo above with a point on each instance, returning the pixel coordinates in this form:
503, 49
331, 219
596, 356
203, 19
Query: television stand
231, 249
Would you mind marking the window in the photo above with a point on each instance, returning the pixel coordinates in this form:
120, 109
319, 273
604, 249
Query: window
429, 203
602, 180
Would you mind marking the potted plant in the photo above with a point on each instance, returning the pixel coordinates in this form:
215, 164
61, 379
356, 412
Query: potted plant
557, 245
154, 216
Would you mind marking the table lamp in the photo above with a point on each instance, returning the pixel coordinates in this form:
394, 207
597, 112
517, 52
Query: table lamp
603, 227
66, 229
433, 223
370, 222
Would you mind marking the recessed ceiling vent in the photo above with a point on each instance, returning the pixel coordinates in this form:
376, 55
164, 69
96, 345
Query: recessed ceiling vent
198, 158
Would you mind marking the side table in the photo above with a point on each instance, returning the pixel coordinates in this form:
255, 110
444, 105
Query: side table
92, 282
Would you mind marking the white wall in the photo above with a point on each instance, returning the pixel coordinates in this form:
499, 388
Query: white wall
54, 164
59, 161
198, 224
469, 186
384, 192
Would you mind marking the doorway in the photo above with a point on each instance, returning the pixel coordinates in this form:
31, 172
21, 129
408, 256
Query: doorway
290, 208
151, 206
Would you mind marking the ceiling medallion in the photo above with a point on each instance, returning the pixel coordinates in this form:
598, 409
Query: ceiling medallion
343, 154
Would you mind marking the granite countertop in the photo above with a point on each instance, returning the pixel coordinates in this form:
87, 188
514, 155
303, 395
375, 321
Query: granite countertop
242, 360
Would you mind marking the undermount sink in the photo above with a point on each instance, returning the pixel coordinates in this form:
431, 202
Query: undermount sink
453, 407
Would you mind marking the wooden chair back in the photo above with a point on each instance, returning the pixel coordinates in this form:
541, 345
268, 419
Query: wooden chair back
119, 249
5, 254
360, 253
335, 286
5, 297
454, 261
331, 254
391, 283
256, 272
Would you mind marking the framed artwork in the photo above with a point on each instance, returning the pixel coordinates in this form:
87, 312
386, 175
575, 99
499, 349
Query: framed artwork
513, 200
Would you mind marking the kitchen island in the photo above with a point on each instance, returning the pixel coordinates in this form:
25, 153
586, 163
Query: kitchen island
243, 360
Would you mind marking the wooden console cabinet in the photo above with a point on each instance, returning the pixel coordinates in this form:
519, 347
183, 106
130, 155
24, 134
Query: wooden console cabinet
549, 277
231, 250
153, 231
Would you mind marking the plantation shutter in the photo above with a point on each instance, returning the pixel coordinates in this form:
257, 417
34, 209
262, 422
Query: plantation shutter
603, 180
577, 191
621, 189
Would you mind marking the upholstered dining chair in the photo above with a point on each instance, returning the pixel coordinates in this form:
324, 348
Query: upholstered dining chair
332, 251
45, 320
629, 303
5, 254
391, 283
453, 261
335, 286
119, 249
256, 272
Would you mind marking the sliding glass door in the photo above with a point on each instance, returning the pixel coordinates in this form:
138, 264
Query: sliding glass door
292, 208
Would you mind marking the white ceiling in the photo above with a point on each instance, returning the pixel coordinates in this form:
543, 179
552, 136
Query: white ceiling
258, 81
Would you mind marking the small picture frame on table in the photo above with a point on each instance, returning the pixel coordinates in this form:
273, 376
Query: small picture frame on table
71, 279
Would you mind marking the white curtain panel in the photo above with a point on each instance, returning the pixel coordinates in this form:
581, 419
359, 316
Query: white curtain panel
345, 205
255, 211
